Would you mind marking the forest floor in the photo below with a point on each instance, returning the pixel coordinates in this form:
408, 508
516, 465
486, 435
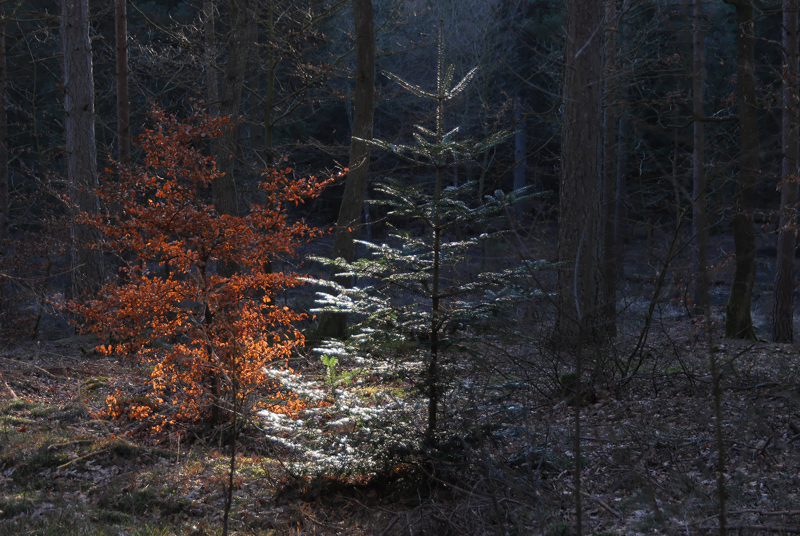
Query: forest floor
649, 455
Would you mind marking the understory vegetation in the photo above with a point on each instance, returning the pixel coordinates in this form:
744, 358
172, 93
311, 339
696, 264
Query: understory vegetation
502, 467
514, 339
198, 399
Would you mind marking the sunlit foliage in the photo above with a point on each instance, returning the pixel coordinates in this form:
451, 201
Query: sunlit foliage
208, 336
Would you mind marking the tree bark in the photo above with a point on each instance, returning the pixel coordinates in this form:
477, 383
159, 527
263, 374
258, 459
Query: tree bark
699, 218
4, 217
520, 153
738, 321
579, 239
348, 224
210, 50
240, 42
623, 135
610, 198
580, 213
123, 100
81, 152
269, 98
4, 204
783, 297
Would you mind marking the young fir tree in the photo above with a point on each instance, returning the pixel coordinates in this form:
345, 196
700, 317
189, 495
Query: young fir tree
413, 304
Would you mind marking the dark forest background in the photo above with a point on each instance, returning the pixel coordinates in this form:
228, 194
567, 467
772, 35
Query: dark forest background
542, 214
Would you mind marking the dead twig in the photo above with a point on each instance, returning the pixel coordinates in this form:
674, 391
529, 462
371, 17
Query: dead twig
100, 451
758, 511
10, 390
780, 529
767, 513
26, 364
604, 505
67, 443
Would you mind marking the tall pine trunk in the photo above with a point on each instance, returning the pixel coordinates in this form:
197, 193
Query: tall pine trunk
4, 217
81, 151
783, 297
210, 57
4, 204
520, 152
241, 41
738, 321
269, 98
580, 213
123, 100
610, 198
348, 224
699, 218
623, 135
579, 238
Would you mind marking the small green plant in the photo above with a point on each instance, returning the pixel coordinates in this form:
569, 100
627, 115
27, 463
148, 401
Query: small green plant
330, 362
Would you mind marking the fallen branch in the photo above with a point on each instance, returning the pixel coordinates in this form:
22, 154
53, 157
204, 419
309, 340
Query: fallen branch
756, 511
67, 443
763, 513
63, 465
604, 505
10, 390
781, 529
26, 364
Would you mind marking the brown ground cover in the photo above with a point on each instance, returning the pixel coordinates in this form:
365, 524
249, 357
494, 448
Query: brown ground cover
649, 454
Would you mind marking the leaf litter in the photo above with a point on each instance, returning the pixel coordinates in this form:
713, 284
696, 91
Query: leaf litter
649, 455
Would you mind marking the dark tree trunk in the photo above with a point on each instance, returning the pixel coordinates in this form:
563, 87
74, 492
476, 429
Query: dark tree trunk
783, 298
269, 98
81, 152
210, 50
623, 135
240, 42
123, 100
738, 321
699, 218
348, 224
580, 213
520, 152
610, 197
4, 217
4, 205
579, 238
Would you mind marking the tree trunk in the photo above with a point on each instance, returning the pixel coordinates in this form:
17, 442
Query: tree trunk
738, 322
348, 223
4, 204
580, 212
620, 214
4, 217
699, 218
269, 98
579, 240
210, 50
240, 43
123, 101
81, 152
433, 379
783, 297
520, 152
610, 197
623, 135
